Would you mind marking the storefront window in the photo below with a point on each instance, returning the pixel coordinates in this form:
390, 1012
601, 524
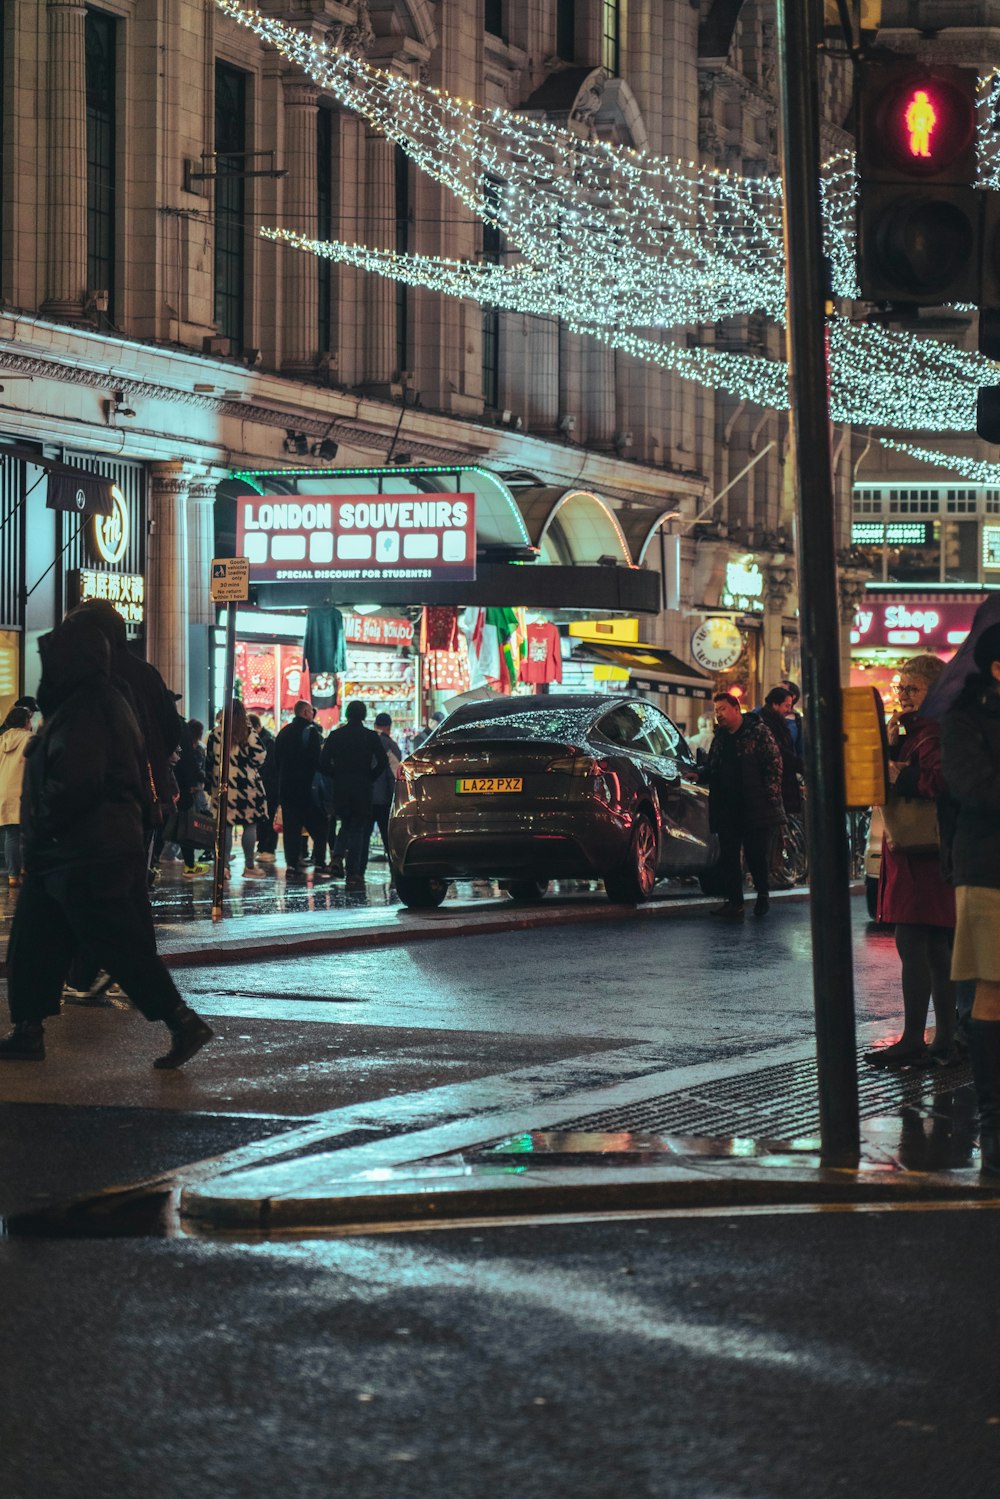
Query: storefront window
230, 202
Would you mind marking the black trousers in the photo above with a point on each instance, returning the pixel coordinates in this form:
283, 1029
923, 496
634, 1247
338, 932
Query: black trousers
295, 817
380, 812
756, 844
267, 838
100, 912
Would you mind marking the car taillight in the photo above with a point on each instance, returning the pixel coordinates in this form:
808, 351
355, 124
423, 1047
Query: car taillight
412, 770
576, 765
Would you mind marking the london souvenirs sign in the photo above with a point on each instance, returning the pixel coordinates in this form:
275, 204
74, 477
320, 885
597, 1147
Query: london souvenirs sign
343, 538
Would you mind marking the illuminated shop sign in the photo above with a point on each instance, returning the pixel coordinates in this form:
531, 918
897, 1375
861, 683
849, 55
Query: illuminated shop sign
109, 534
717, 644
938, 625
345, 537
895, 534
744, 585
127, 591
374, 629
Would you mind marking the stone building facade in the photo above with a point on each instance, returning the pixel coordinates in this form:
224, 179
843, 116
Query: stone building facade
144, 322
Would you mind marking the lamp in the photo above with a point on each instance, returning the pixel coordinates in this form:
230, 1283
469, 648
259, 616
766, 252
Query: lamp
295, 442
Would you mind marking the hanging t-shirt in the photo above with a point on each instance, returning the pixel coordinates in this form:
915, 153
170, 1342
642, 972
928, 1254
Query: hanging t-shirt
543, 657
258, 684
439, 629
325, 648
294, 678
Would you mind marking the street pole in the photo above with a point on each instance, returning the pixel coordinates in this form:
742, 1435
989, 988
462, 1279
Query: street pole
799, 34
219, 873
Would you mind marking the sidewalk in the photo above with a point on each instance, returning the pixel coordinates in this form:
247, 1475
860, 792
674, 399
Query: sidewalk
918, 1149
273, 916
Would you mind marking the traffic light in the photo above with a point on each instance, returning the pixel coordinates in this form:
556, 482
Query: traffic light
919, 222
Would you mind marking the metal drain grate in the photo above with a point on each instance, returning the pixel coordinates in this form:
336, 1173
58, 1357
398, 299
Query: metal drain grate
776, 1103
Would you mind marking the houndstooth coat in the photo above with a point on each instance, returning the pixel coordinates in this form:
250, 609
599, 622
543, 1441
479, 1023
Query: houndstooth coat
247, 801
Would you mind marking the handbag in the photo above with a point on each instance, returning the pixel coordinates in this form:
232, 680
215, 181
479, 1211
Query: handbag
911, 825
196, 827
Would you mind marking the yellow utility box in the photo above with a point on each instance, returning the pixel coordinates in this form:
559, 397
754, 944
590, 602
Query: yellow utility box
866, 748
608, 631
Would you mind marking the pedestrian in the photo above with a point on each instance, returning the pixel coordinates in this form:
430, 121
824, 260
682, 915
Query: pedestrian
193, 817
84, 814
246, 801
267, 837
913, 892
14, 741
354, 758
27, 703
971, 764
743, 775
296, 758
775, 714
428, 729
384, 788
793, 717
700, 743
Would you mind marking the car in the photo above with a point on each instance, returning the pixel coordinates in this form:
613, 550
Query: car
526, 790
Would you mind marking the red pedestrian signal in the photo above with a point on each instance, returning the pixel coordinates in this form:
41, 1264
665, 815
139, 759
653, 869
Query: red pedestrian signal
919, 223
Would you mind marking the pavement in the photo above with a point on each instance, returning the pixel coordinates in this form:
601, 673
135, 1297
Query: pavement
554, 1134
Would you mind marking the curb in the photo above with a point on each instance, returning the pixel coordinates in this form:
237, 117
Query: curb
239, 949
442, 1196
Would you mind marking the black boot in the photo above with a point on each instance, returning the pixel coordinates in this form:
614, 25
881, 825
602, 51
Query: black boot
189, 1034
26, 1043
984, 1050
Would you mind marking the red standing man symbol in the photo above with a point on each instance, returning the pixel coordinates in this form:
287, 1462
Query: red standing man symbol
921, 118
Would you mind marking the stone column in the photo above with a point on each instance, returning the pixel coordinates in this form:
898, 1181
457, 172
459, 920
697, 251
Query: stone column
167, 573
300, 270
599, 393
779, 580
379, 332
66, 265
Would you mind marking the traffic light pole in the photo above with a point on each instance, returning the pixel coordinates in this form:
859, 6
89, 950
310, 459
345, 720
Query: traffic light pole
799, 34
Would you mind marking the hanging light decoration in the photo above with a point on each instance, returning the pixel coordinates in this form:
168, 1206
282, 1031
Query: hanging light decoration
634, 249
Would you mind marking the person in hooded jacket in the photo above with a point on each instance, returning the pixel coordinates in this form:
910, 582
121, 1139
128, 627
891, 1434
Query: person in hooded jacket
83, 818
13, 742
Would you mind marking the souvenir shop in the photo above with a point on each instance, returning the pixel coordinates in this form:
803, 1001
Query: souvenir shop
411, 588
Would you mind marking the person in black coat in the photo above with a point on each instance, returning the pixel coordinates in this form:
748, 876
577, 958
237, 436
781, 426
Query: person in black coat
743, 775
777, 706
83, 813
267, 838
354, 758
296, 759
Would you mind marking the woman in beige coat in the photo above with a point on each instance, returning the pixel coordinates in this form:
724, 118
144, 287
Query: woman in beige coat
13, 743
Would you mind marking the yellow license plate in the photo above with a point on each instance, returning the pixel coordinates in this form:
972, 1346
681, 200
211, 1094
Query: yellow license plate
488, 785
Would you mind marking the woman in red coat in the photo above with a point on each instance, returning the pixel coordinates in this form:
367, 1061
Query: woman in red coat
913, 894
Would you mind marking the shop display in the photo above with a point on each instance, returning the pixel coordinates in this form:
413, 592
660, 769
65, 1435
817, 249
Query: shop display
325, 646
542, 660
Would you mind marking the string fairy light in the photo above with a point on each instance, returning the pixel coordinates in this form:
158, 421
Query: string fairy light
632, 249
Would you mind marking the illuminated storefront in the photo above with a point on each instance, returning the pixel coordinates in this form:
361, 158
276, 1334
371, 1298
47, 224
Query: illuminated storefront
890, 627
72, 527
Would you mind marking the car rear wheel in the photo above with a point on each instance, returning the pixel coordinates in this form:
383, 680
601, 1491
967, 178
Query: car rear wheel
633, 881
527, 892
420, 893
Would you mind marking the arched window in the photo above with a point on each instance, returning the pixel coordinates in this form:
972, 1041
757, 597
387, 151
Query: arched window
611, 22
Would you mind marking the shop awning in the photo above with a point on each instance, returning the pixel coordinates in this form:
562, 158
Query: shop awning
649, 665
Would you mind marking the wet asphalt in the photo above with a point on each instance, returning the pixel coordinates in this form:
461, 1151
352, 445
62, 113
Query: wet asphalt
298, 1038
791, 1356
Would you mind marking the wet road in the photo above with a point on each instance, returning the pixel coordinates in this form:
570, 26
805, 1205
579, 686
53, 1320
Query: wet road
433, 1028
793, 1356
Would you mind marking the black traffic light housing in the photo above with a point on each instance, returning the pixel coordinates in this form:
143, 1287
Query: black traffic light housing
920, 215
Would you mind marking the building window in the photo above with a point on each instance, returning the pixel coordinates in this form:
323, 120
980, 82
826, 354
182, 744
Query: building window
99, 36
566, 30
230, 202
493, 248
402, 167
324, 224
610, 34
493, 14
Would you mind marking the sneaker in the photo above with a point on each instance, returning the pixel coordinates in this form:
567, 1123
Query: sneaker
196, 870
26, 1043
336, 869
355, 882
267, 858
98, 996
189, 1033
323, 869
251, 872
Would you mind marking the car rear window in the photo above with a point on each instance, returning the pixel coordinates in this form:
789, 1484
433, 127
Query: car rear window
561, 725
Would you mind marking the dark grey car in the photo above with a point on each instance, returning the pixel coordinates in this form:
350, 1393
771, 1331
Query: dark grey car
527, 790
